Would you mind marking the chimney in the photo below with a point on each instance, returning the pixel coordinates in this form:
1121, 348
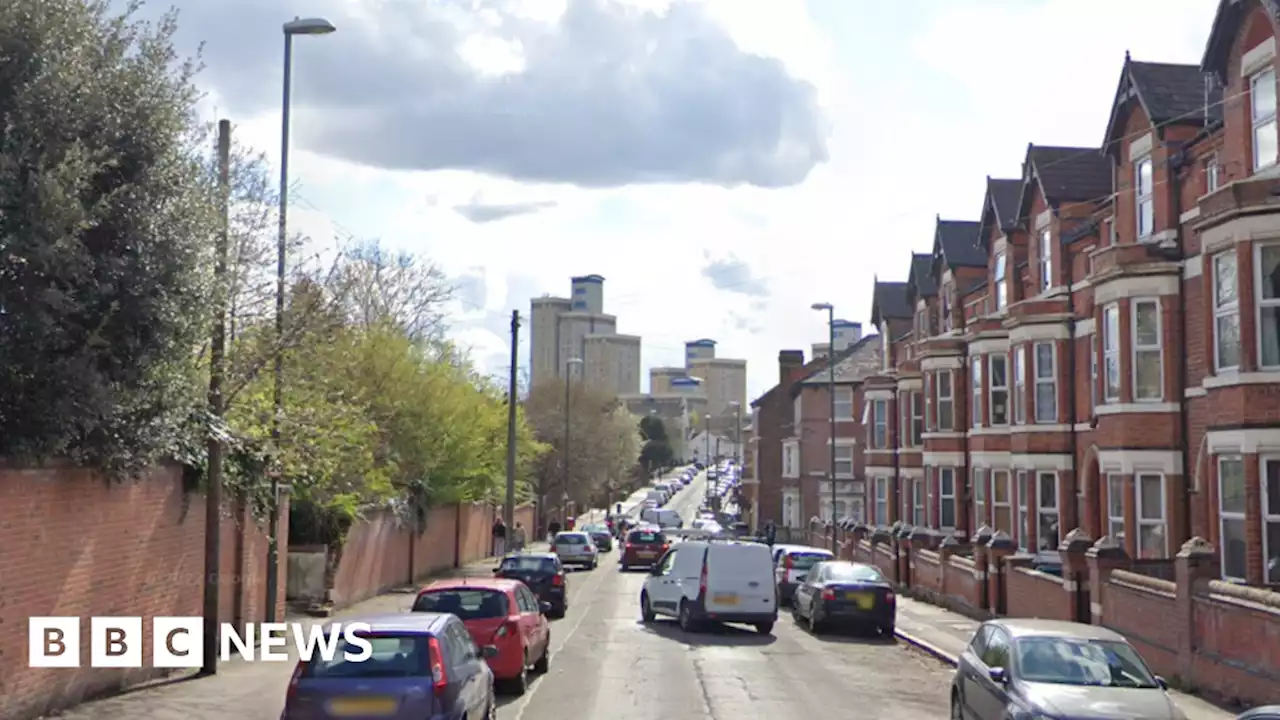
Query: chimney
820, 350
846, 334
789, 363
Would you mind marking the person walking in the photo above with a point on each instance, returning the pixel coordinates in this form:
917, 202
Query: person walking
518, 538
499, 537
770, 533
554, 529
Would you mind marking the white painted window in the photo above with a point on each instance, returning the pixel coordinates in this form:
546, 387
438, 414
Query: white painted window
1115, 506
796, 415
1150, 495
844, 460
980, 483
790, 459
790, 511
1046, 260
1144, 198
1021, 497
917, 419
1148, 367
1001, 281
931, 422
1020, 385
1270, 478
998, 379
1001, 507
1111, 352
975, 384
1093, 372
917, 502
1266, 285
1212, 175
880, 424
947, 499
1047, 526
904, 418
1046, 384
1262, 104
1231, 512
946, 402
1226, 312
844, 403
945, 297
882, 501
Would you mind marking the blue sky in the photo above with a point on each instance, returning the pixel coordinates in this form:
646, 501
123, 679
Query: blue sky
797, 149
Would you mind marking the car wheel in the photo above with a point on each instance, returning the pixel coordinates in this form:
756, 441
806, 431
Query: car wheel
795, 614
764, 628
492, 712
815, 622
519, 684
544, 663
957, 712
687, 622
646, 610
887, 629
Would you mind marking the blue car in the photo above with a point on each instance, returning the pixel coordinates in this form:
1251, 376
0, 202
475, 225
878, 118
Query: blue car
424, 666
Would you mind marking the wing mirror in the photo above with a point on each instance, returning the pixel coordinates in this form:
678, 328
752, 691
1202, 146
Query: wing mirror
544, 607
998, 675
655, 570
1164, 684
497, 571
489, 652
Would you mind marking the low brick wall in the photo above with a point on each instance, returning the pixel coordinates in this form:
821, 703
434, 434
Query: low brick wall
1236, 632
1140, 608
1030, 593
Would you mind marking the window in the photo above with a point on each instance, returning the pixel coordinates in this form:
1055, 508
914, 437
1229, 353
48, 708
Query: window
1148, 368
998, 379
1000, 505
917, 501
979, 498
917, 419
931, 422
1231, 512
796, 414
1111, 351
880, 424
975, 364
1002, 286
1115, 506
1047, 535
790, 460
1150, 494
904, 418
1226, 312
1046, 260
1144, 198
1212, 175
1020, 500
1271, 519
1268, 292
1046, 384
790, 513
946, 421
844, 461
1019, 385
945, 298
947, 499
882, 501
1093, 372
844, 403
1262, 103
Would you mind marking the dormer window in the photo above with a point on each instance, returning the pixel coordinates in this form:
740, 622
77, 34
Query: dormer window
1002, 287
1144, 198
1262, 104
1046, 260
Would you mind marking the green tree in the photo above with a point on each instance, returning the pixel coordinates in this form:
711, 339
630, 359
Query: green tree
656, 452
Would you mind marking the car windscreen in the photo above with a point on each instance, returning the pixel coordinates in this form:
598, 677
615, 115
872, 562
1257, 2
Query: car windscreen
529, 565
806, 560
646, 537
393, 656
840, 572
596, 529
1078, 661
469, 604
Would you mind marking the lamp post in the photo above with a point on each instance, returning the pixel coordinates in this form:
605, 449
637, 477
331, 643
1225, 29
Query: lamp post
737, 434
569, 365
297, 26
831, 397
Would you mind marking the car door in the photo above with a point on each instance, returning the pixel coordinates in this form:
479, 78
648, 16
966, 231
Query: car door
807, 589
992, 697
664, 591
531, 615
969, 669
466, 679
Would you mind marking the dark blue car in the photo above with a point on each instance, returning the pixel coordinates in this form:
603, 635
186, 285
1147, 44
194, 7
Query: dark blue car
424, 666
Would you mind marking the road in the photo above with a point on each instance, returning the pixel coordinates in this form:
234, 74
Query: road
607, 664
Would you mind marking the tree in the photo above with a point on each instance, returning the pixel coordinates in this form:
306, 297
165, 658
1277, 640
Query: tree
656, 453
106, 216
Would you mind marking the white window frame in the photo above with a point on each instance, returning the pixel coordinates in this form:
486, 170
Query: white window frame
904, 418
948, 401
1229, 311
944, 299
1264, 122
1115, 506
1261, 303
975, 380
1144, 206
1051, 379
1145, 522
879, 424
1093, 373
995, 390
1212, 175
1111, 353
797, 412
881, 507
1233, 516
1007, 505
790, 459
946, 498
1136, 349
1268, 518
930, 421
917, 418
1045, 260
847, 447
1021, 510
1001, 281
790, 510
844, 404
1045, 511
918, 501
1019, 401
981, 484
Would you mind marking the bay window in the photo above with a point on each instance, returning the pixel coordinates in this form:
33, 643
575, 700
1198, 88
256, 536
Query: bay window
917, 419
1231, 513
947, 499
904, 418
1148, 367
930, 417
1001, 508
879, 424
1047, 526
1001, 281
1115, 505
1111, 352
1021, 496
844, 460
1046, 384
1046, 260
979, 498
1226, 312
998, 379
1144, 198
882, 501
1093, 373
946, 403
1020, 385
975, 383
1267, 284
1270, 476
1262, 105
945, 298
917, 502
1150, 495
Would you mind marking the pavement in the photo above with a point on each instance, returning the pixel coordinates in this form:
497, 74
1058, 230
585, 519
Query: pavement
945, 635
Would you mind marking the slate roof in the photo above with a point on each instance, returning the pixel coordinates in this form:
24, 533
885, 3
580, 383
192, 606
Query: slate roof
1000, 206
889, 301
1169, 94
857, 362
1065, 174
920, 282
1226, 23
956, 243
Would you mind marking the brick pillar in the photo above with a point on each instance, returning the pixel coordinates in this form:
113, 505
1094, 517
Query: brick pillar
1194, 566
948, 547
999, 547
1075, 573
1107, 554
902, 551
981, 537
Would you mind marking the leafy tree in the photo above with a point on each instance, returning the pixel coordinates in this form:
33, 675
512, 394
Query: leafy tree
656, 453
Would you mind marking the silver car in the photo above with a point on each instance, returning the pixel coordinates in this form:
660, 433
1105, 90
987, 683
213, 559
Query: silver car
575, 548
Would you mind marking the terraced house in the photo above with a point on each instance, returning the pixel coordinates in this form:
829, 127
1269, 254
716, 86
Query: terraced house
1099, 348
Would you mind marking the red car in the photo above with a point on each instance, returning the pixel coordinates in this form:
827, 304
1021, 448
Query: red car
499, 612
642, 548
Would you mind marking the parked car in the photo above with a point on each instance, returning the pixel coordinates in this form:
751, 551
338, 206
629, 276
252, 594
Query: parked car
499, 613
791, 564
662, 517
423, 665
575, 548
643, 547
601, 536
544, 575
838, 593
701, 581
1022, 667
1266, 712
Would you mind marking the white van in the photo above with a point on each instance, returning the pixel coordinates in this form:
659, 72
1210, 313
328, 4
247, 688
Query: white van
662, 517
712, 581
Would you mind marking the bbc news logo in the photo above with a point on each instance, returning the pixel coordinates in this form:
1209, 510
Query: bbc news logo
178, 642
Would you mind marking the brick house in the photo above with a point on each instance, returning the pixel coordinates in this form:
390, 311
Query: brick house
773, 420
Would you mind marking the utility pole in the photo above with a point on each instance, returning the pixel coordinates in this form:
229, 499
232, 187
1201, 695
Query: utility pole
509, 509
217, 358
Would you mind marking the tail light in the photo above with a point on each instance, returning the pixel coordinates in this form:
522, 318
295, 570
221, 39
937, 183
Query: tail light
557, 579
628, 547
297, 677
665, 547
507, 629
439, 678
888, 597
828, 594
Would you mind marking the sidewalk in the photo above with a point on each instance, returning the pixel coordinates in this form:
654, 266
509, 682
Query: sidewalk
945, 635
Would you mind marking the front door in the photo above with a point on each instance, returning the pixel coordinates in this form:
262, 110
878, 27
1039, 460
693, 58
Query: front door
664, 592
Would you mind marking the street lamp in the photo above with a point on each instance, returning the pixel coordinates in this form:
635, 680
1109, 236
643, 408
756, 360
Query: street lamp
737, 440
569, 365
297, 26
831, 397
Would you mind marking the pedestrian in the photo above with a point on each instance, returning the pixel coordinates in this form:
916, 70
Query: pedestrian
770, 532
518, 538
554, 527
499, 537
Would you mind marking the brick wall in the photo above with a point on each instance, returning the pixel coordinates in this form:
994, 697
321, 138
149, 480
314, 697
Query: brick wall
1029, 593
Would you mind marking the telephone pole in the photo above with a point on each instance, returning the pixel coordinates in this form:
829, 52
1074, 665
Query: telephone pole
509, 509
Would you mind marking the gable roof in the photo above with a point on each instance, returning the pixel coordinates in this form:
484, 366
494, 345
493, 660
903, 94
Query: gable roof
854, 363
1064, 174
955, 243
805, 370
999, 208
1168, 93
920, 282
1226, 24
889, 302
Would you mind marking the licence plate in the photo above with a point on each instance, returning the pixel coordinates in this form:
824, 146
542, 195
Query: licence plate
724, 599
645, 553
865, 601
362, 707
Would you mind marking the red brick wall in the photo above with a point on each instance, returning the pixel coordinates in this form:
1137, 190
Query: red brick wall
1134, 606
1238, 648
1034, 594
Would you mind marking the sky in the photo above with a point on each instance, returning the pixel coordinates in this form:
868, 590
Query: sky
724, 164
